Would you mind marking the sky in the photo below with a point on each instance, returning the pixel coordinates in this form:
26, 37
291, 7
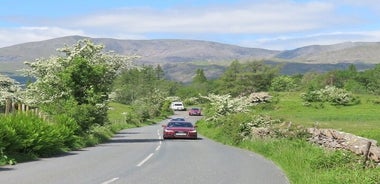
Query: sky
267, 24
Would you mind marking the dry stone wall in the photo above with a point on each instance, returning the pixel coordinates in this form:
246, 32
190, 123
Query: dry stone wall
331, 138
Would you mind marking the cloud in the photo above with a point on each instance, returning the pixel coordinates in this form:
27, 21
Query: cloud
258, 18
288, 43
13, 36
273, 24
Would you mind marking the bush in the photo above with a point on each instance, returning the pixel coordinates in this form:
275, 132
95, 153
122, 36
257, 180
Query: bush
331, 94
27, 134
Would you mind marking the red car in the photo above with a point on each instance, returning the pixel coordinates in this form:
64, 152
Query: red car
195, 111
179, 129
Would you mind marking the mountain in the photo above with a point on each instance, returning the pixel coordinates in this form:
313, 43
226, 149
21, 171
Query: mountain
348, 52
180, 58
150, 51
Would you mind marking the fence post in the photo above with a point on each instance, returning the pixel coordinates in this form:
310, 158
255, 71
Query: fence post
7, 105
369, 143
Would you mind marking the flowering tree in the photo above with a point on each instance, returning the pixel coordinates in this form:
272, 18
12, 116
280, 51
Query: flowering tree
76, 83
331, 94
9, 88
222, 105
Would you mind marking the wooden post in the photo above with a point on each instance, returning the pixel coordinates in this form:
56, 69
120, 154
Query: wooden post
7, 105
19, 107
369, 143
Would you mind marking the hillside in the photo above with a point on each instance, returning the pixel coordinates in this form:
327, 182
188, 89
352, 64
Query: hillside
150, 51
180, 58
348, 52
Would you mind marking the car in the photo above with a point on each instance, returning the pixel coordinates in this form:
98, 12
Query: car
177, 106
177, 119
179, 129
195, 111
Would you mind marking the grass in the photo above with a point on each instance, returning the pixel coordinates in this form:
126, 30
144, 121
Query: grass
303, 162
117, 116
117, 112
361, 119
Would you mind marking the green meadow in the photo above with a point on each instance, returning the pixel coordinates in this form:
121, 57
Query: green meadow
301, 161
362, 119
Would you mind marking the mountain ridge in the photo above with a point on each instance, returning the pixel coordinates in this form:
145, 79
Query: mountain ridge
172, 52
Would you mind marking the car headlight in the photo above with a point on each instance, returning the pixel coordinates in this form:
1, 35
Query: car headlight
193, 131
168, 131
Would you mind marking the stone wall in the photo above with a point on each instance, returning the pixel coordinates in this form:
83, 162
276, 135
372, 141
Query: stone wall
331, 138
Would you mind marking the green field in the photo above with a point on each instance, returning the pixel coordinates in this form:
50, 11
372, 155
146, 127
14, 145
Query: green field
301, 161
362, 119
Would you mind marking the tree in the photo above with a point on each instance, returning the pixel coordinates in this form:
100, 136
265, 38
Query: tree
9, 88
160, 74
199, 77
283, 83
371, 79
246, 78
76, 83
256, 76
229, 79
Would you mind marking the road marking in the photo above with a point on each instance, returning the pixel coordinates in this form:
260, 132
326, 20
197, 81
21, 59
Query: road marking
158, 147
159, 135
146, 159
150, 155
110, 181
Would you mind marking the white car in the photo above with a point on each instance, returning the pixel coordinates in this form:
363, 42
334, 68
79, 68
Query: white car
177, 106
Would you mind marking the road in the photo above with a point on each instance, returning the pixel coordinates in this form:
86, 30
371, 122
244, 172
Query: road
140, 156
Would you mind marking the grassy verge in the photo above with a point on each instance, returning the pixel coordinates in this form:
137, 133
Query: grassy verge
26, 137
301, 161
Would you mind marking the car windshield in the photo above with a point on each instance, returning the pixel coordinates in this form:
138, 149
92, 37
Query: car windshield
177, 119
195, 109
180, 124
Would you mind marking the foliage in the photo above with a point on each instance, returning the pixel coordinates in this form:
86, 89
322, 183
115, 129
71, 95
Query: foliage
361, 119
371, 79
4, 159
78, 82
137, 83
256, 121
331, 94
9, 88
283, 83
199, 77
27, 134
246, 78
301, 161
222, 105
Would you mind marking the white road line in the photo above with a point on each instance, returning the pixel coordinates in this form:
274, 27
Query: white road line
158, 147
110, 181
159, 135
146, 159
150, 155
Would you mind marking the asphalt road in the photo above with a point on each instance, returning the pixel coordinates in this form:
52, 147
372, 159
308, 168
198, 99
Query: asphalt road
140, 156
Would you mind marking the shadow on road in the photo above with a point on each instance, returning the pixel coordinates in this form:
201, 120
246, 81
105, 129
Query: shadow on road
182, 139
126, 140
124, 133
4, 168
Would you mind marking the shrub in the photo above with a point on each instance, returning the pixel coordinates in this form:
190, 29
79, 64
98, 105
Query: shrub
30, 135
222, 105
331, 94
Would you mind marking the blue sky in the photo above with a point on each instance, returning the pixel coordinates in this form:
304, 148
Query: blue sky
269, 24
